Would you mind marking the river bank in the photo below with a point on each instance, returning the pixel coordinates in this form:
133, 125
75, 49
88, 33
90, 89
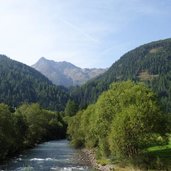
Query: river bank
87, 156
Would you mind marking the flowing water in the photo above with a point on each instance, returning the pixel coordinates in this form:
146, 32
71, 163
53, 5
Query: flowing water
49, 156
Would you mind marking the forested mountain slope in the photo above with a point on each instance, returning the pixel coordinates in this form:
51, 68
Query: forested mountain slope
65, 73
150, 63
20, 83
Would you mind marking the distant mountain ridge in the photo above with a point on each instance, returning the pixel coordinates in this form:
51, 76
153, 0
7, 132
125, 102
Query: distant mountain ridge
65, 73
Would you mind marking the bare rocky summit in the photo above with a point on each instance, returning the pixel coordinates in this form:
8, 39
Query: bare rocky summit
65, 73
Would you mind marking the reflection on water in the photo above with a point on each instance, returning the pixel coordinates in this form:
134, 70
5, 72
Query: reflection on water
53, 155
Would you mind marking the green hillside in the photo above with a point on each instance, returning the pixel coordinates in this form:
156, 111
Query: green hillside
150, 63
20, 83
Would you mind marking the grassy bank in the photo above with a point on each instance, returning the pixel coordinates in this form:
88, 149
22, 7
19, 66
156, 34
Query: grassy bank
161, 154
155, 158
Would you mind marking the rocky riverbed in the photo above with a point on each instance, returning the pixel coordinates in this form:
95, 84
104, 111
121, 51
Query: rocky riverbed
87, 157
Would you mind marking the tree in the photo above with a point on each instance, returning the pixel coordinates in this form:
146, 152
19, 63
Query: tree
74, 130
88, 127
7, 133
71, 108
138, 124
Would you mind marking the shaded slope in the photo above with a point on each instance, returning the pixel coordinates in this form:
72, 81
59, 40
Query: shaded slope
21, 83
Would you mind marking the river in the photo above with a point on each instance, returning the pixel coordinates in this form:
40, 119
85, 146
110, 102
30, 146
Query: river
49, 156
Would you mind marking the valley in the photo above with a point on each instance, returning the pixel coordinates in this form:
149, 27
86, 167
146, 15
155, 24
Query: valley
123, 114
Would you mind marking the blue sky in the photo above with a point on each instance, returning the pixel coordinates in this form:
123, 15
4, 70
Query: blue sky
88, 33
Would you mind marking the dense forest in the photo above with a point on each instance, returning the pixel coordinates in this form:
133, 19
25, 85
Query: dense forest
21, 83
150, 63
27, 126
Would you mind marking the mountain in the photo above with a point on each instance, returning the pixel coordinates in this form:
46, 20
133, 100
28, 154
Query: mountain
65, 73
149, 63
21, 83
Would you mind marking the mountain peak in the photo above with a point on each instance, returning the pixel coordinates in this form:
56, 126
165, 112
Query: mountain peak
65, 73
42, 59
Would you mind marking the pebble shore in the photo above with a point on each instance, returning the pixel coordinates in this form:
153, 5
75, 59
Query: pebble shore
88, 156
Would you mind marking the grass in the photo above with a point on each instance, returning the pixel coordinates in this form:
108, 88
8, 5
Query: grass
144, 75
161, 155
155, 50
155, 158
104, 161
161, 151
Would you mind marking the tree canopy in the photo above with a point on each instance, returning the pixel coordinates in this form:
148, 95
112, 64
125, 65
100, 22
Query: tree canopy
27, 126
124, 121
